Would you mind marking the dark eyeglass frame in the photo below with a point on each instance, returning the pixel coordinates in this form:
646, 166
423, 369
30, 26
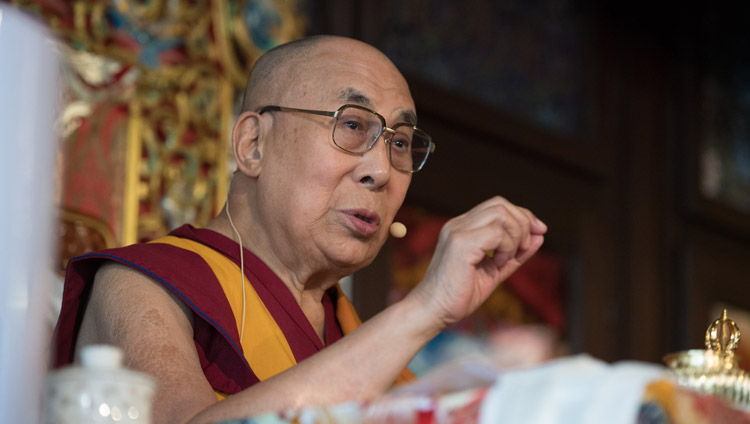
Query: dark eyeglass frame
383, 127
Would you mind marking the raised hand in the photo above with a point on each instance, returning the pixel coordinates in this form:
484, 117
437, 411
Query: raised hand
476, 251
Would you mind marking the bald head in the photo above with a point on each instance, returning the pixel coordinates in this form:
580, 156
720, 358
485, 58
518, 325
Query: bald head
279, 71
296, 187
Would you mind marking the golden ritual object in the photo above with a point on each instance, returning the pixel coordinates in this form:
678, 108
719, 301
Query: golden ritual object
715, 370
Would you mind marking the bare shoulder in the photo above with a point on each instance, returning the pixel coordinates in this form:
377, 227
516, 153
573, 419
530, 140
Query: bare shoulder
155, 331
122, 296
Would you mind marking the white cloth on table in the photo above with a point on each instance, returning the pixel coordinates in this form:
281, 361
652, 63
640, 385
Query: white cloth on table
577, 389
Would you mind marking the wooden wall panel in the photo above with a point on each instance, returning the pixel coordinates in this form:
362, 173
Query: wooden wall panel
643, 265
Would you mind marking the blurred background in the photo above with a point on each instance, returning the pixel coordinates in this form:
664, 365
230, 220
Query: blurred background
625, 126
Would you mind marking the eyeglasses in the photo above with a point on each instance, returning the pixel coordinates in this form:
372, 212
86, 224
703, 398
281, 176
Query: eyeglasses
357, 129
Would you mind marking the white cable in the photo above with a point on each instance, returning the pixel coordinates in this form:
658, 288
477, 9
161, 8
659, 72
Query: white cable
242, 263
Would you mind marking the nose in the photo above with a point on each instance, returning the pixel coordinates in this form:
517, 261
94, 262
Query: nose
374, 166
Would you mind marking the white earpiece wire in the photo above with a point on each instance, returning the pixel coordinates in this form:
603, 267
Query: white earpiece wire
242, 263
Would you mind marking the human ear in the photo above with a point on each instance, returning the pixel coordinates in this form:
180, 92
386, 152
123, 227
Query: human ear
245, 144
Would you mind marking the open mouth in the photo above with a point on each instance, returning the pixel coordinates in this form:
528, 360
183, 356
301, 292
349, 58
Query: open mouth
364, 222
364, 218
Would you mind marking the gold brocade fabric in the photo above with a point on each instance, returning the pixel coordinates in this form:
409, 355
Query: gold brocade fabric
148, 104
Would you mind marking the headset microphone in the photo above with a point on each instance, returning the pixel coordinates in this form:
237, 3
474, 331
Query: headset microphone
398, 230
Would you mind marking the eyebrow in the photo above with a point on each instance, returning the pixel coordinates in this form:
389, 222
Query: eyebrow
409, 117
352, 95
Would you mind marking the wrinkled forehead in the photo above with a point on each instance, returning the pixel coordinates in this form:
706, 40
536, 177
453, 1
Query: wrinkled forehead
352, 73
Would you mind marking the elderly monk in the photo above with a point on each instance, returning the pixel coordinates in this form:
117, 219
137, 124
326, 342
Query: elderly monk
325, 149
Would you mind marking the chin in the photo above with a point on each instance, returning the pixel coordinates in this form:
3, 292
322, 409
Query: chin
353, 258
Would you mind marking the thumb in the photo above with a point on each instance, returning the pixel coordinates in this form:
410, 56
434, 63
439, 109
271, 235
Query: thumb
537, 226
535, 243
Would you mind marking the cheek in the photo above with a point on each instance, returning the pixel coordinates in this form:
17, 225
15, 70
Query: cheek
317, 181
328, 166
400, 185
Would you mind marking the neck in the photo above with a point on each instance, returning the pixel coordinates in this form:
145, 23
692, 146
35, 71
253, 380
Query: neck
309, 296
306, 284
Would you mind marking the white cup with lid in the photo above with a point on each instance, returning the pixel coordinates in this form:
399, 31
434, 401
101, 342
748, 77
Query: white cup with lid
98, 391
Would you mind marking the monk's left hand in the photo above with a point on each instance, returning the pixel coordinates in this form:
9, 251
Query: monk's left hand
476, 251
